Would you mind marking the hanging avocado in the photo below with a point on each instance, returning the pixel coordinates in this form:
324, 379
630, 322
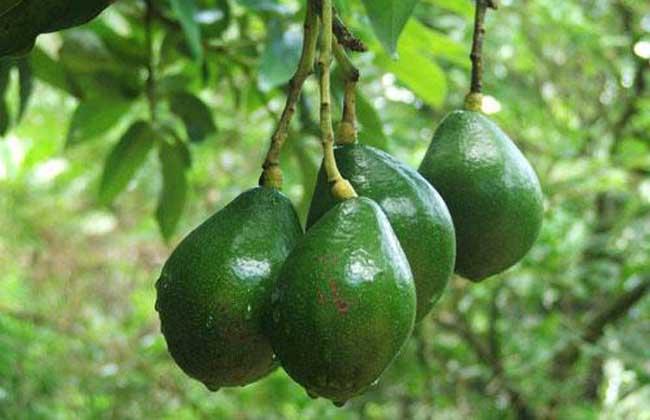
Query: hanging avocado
492, 192
415, 210
345, 302
214, 291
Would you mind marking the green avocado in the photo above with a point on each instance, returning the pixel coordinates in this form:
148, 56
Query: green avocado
415, 210
492, 192
24, 20
215, 289
344, 304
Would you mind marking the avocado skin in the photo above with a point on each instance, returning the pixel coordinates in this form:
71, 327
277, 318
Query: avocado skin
215, 289
415, 210
21, 24
492, 192
345, 302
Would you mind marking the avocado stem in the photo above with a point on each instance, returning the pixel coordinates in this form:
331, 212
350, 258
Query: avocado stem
474, 98
341, 189
272, 175
347, 131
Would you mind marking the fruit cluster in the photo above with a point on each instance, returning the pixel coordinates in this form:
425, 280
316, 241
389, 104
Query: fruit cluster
247, 291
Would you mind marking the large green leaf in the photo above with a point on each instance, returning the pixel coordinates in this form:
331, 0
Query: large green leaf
464, 8
431, 42
125, 159
94, 118
186, 11
388, 18
173, 196
195, 114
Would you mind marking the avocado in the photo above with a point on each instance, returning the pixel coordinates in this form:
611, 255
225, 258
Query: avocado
21, 23
344, 303
492, 192
415, 210
215, 289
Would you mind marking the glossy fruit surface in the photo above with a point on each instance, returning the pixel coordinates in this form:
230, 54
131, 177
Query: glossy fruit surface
22, 21
415, 210
215, 289
345, 302
492, 192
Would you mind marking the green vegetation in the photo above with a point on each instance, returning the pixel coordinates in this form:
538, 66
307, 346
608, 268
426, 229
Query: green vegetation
120, 136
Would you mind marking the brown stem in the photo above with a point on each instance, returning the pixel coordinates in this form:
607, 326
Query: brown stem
473, 100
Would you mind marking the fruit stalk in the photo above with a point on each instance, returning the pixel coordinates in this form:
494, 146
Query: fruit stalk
341, 189
347, 132
475, 97
272, 175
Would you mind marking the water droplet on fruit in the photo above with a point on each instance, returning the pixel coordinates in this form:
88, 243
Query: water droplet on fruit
209, 322
249, 313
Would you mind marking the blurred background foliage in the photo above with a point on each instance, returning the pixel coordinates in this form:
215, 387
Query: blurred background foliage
82, 234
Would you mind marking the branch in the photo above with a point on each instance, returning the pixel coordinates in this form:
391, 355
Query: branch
343, 35
272, 176
474, 98
565, 358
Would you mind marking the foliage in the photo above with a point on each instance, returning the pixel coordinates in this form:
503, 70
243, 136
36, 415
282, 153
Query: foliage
564, 334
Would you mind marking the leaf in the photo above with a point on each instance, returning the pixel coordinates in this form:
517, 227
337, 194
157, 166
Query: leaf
125, 159
420, 74
280, 57
173, 196
26, 85
371, 132
464, 8
93, 118
5, 118
195, 115
186, 10
431, 42
49, 71
388, 18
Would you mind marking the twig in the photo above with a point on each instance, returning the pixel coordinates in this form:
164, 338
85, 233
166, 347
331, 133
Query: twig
474, 98
347, 132
272, 175
341, 189
344, 36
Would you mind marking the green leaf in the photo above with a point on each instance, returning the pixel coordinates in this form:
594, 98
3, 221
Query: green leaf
280, 57
94, 118
195, 114
371, 131
26, 85
173, 196
433, 43
49, 71
388, 18
464, 8
186, 10
125, 159
420, 74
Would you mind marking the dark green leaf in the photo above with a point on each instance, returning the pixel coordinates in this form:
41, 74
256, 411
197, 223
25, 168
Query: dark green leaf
186, 11
195, 115
173, 196
125, 159
49, 71
388, 18
94, 118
